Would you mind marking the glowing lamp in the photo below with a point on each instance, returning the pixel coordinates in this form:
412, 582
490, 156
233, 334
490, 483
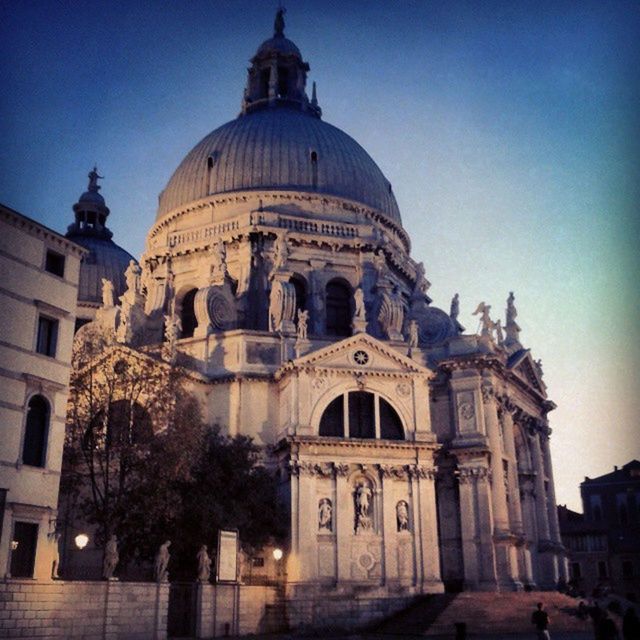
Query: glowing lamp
277, 554
81, 540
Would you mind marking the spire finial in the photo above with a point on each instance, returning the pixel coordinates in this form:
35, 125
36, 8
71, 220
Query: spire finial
93, 180
278, 24
314, 97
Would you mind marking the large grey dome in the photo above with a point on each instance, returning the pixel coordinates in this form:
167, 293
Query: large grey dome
277, 148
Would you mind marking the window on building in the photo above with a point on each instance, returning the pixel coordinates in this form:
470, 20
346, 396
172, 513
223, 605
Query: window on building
361, 415
338, 309
23, 549
257, 561
188, 314
622, 509
36, 432
54, 263
368, 416
603, 572
576, 572
47, 336
314, 169
128, 424
627, 569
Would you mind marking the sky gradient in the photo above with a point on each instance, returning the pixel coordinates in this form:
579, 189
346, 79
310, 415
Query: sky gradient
508, 130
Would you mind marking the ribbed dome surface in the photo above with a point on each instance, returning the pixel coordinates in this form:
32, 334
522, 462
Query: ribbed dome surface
272, 149
105, 260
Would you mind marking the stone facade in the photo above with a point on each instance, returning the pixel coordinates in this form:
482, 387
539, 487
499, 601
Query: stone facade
38, 294
411, 456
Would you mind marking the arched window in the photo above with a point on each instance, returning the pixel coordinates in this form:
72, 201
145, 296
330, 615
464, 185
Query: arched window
367, 416
128, 424
314, 169
36, 432
188, 314
362, 422
338, 309
332, 421
390, 425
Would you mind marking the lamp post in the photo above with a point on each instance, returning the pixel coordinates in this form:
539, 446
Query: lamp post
81, 540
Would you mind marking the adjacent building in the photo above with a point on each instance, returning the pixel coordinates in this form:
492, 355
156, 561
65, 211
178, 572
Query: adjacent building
38, 292
603, 543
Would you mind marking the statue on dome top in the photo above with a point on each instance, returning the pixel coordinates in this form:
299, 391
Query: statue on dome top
93, 180
278, 24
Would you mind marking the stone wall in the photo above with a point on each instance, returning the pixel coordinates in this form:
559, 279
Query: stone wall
224, 610
87, 610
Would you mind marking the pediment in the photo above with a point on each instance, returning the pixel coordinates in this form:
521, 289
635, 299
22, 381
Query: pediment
524, 366
359, 353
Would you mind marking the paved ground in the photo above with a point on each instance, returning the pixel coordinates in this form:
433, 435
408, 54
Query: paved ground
404, 636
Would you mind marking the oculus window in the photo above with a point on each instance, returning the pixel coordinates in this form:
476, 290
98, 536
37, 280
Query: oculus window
361, 414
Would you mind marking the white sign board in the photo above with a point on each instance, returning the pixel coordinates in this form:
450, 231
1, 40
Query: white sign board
227, 556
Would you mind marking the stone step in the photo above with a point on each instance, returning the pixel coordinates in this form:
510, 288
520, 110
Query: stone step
486, 613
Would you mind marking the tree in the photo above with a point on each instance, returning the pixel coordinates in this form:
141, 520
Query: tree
140, 463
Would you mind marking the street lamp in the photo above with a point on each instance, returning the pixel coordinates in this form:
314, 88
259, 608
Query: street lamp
81, 540
277, 554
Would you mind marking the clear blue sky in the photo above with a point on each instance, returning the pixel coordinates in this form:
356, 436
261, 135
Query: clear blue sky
508, 129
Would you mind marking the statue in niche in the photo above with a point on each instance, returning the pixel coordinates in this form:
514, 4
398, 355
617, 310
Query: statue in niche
281, 253
303, 319
162, 562
108, 297
363, 496
204, 564
325, 515
487, 324
413, 334
455, 307
111, 558
402, 516
132, 276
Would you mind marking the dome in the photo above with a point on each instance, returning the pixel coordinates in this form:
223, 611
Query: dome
278, 44
93, 197
279, 148
105, 260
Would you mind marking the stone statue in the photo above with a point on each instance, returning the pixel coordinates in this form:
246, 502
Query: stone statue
108, 298
172, 331
421, 285
303, 319
162, 562
363, 503
499, 334
487, 323
111, 558
512, 329
132, 276
204, 564
325, 514
93, 180
278, 24
413, 334
455, 307
218, 253
55, 565
281, 253
358, 298
402, 516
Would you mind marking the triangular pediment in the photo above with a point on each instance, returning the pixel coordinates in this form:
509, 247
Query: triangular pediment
524, 366
359, 353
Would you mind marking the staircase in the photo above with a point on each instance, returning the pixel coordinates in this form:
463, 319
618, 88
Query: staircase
486, 613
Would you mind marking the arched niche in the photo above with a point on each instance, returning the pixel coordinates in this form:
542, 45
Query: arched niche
186, 309
36, 432
338, 307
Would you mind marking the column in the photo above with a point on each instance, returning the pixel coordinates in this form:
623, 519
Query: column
541, 507
431, 577
476, 519
389, 538
554, 527
515, 508
343, 523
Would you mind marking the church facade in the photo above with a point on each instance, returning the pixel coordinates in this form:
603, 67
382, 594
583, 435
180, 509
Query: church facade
412, 457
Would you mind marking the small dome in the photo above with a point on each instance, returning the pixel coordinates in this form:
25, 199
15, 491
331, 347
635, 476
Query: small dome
278, 44
93, 197
279, 148
105, 260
